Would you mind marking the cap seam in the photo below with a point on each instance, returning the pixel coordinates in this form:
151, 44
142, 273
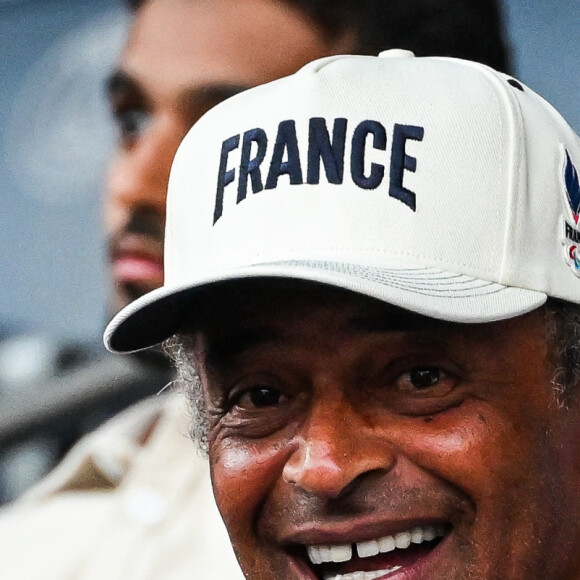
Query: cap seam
262, 257
513, 116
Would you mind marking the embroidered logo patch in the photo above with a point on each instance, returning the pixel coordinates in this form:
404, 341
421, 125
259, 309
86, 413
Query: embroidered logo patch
572, 230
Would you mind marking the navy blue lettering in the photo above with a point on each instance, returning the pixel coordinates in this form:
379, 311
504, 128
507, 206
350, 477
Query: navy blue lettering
319, 147
286, 141
357, 155
401, 161
225, 176
251, 167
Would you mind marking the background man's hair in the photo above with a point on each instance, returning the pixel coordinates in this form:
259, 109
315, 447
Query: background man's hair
471, 29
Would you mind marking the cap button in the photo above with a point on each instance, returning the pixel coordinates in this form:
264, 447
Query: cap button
396, 53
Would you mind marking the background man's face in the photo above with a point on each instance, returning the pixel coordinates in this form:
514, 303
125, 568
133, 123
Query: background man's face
182, 57
337, 420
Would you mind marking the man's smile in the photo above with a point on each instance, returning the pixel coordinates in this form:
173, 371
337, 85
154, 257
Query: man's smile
374, 558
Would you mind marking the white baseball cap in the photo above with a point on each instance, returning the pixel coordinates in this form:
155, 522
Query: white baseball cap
435, 184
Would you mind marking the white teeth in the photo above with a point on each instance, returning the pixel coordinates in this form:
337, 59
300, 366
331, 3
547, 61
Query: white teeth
314, 554
343, 552
327, 553
417, 535
367, 549
362, 575
429, 533
403, 540
386, 544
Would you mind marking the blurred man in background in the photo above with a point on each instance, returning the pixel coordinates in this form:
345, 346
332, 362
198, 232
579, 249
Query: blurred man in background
132, 500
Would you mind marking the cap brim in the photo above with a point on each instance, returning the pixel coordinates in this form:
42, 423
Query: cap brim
428, 291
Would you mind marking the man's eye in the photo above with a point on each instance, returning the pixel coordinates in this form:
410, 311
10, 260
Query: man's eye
431, 379
260, 398
424, 377
132, 123
424, 389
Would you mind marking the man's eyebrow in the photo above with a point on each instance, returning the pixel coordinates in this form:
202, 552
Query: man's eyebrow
194, 101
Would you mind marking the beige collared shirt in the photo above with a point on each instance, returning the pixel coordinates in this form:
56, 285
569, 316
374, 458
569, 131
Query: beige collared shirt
132, 501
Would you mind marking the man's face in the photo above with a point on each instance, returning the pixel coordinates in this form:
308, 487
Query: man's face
183, 57
344, 429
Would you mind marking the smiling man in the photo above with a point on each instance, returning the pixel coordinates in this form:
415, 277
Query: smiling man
383, 319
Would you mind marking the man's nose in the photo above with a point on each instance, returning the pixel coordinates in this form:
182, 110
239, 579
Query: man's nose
336, 447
